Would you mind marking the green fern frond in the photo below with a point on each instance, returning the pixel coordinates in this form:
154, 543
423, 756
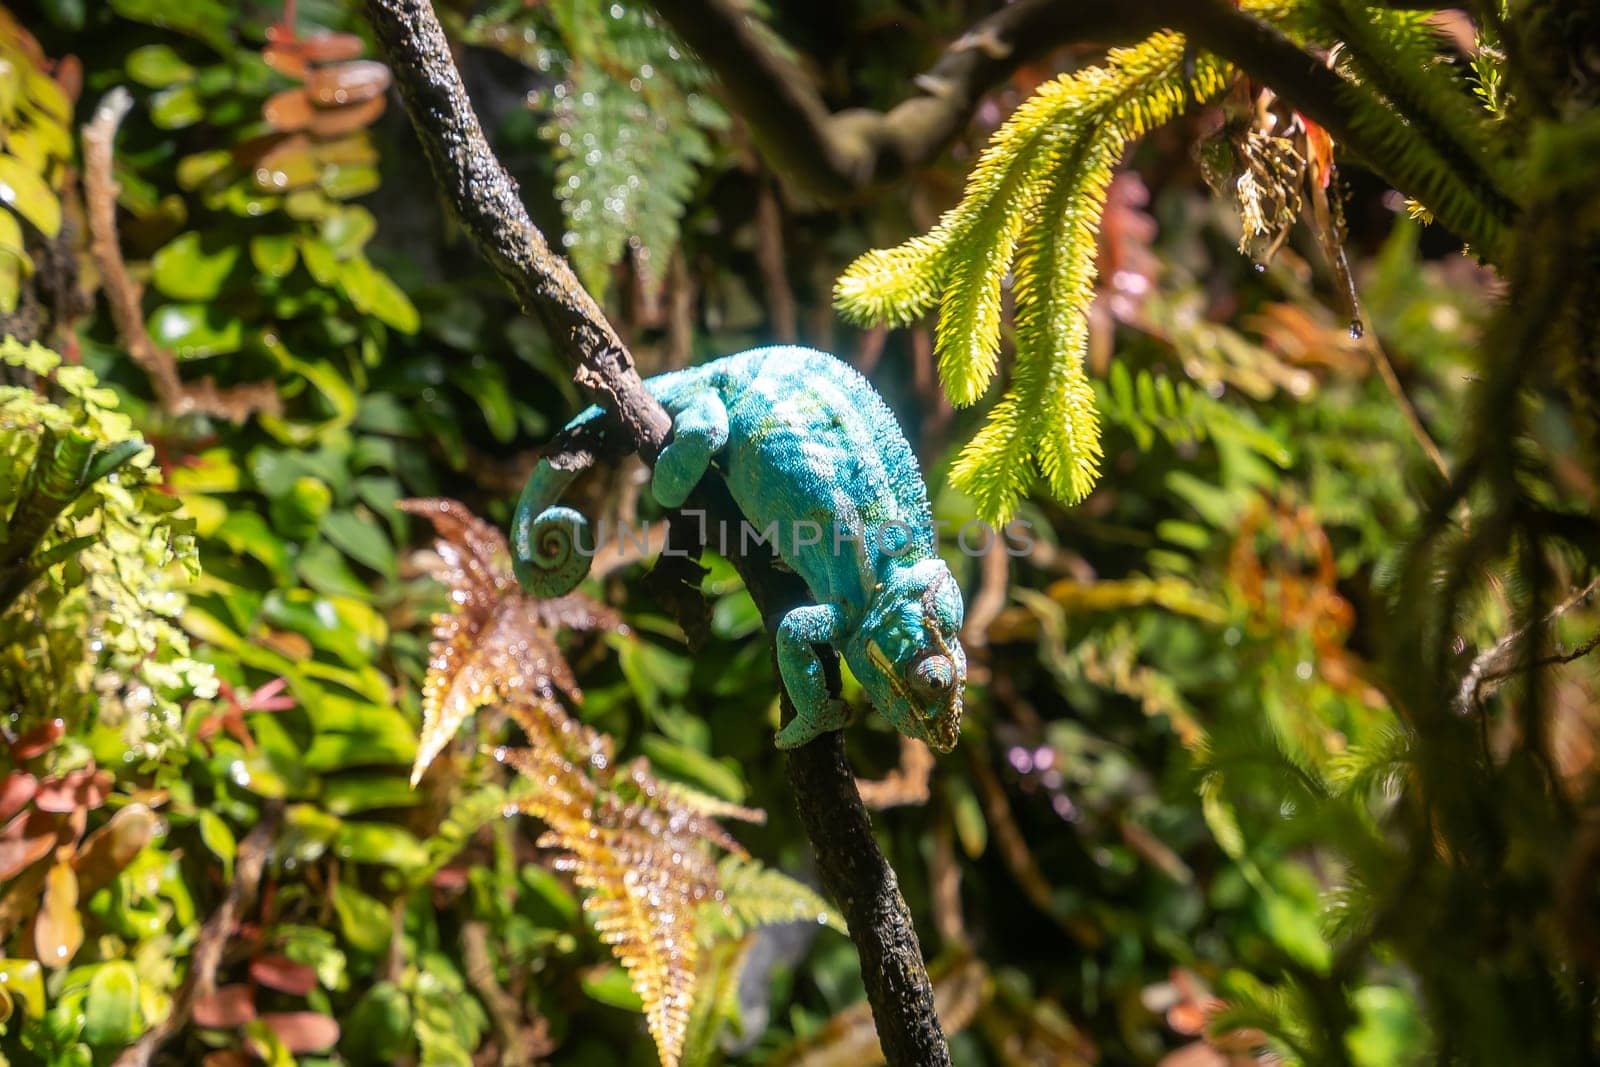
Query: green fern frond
1376, 764
752, 895
1151, 406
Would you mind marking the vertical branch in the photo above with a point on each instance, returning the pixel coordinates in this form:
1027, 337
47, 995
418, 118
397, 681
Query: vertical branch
485, 201
123, 293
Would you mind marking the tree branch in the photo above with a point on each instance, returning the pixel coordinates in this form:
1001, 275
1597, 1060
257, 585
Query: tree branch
485, 201
215, 933
831, 156
123, 293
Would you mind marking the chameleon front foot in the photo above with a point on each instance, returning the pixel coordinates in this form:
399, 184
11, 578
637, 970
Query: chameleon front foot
806, 726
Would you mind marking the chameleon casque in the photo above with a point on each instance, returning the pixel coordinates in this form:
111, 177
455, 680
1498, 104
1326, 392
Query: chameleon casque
809, 449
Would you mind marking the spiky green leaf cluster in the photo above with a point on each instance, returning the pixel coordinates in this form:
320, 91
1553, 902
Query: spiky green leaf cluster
1032, 210
1434, 120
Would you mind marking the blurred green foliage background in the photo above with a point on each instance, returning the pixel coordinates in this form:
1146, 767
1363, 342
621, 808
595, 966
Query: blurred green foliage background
1165, 834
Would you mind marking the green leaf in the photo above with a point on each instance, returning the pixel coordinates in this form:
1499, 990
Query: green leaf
611, 985
176, 107
389, 846
25, 192
195, 331
274, 254
157, 66
379, 1028
361, 539
341, 626
347, 183
190, 267
363, 920
323, 568
346, 230
352, 795
247, 533
216, 836
373, 293
694, 767
198, 169
208, 20
25, 980
111, 1016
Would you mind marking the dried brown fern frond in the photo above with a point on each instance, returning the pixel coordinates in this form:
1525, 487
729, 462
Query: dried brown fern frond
497, 643
645, 851
637, 848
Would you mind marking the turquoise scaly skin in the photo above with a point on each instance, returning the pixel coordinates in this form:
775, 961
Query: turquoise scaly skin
811, 453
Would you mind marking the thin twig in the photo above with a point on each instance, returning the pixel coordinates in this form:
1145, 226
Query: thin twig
1498, 662
906, 785
484, 200
123, 293
1408, 410
201, 981
521, 1042
830, 157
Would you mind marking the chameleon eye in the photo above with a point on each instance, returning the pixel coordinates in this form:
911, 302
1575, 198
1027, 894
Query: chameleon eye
934, 675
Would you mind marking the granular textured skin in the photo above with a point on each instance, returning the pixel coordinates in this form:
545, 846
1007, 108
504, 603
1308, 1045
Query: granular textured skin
818, 465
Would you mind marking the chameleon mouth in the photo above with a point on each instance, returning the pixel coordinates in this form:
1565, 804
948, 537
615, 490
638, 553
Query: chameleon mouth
939, 730
945, 728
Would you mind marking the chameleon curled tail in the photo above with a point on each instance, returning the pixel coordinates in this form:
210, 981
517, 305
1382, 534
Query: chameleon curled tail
547, 541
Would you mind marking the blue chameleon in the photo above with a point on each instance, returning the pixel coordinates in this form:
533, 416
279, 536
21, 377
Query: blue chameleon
819, 467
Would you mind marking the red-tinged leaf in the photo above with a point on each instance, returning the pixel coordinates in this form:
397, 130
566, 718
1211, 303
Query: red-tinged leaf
303, 1031
228, 1007
17, 789
84, 788
283, 974
69, 75
37, 741
288, 110
287, 59
58, 928
347, 83
336, 122
26, 840
268, 697
1319, 150
450, 878
111, 848
331, 47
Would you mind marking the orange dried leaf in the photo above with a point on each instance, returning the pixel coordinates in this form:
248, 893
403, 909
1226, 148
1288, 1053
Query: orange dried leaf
26, 839
303, 1031
331, 47
338, 121
227, 1007
58, 928
289, 110
347, 83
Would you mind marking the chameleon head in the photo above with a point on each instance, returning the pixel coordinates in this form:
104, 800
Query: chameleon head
907, 654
